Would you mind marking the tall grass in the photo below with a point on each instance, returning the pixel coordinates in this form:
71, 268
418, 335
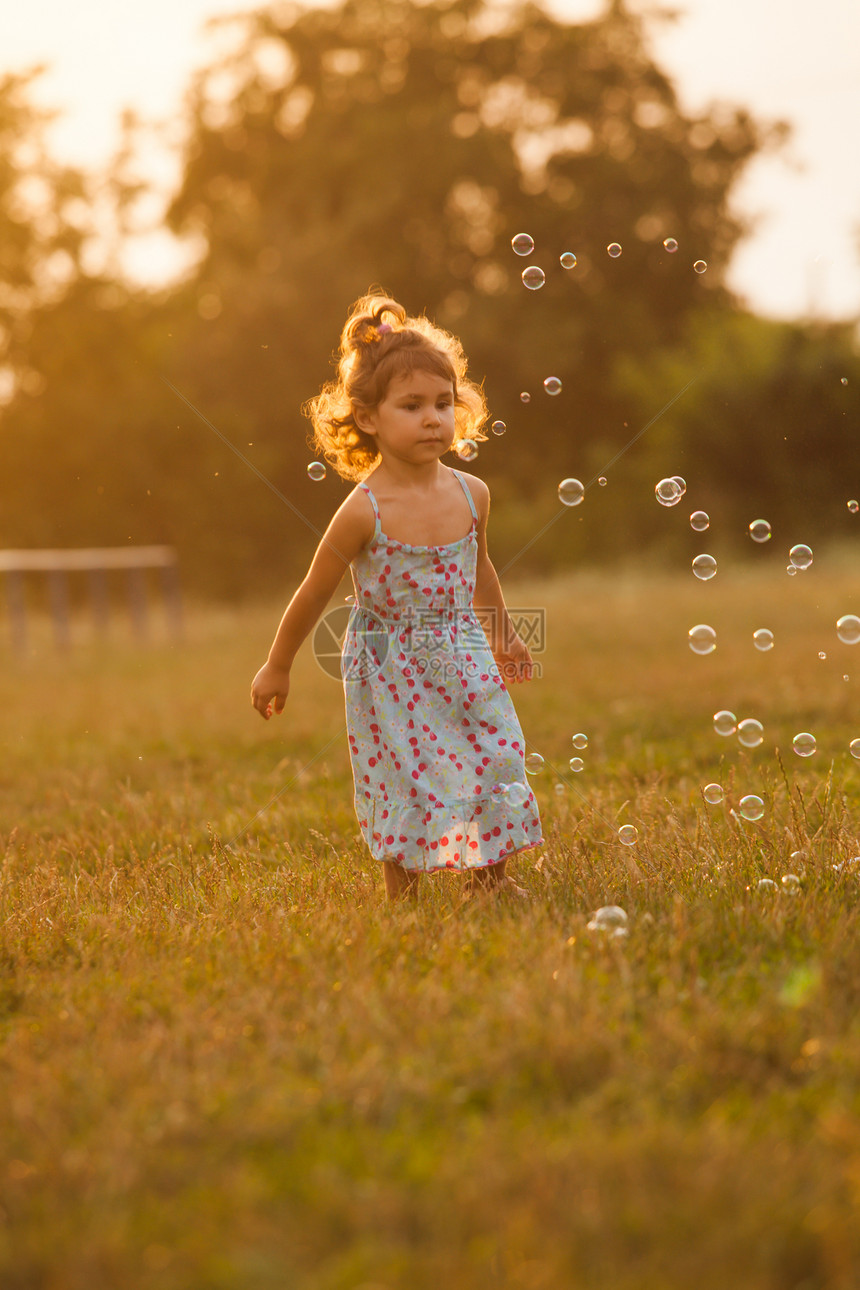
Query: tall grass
226, 1063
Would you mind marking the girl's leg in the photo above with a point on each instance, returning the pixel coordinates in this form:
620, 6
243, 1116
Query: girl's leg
492, 879
399, 882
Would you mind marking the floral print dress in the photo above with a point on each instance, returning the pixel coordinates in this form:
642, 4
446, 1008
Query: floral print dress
436, 748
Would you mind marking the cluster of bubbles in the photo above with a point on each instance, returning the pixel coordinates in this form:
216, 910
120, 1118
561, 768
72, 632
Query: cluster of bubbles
534, 277
789, 883
750, 732
579, 741
670, 491
702, 637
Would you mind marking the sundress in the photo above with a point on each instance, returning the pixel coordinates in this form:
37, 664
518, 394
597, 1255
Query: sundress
436, 747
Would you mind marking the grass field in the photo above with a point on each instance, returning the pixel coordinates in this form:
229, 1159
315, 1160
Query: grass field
226, 1064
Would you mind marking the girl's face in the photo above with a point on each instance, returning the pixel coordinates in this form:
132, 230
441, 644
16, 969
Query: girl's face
414, 422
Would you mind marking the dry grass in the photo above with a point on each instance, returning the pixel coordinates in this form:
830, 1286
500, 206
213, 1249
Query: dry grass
225, 1063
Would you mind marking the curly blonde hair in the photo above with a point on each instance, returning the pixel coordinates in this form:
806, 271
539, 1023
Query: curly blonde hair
378, 343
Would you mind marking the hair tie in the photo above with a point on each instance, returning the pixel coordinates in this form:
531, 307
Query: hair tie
383, 329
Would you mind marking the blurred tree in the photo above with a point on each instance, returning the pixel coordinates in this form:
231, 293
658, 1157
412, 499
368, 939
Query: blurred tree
405, 144
41, 239
767, 429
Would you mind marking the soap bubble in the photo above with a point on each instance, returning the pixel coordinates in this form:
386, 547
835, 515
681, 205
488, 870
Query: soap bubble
533, 763
628, 834
700, 266
523, 244
579, 740
702, 639
751, 807
798, 859
567, 260
766, 884
848, 629
822, 654
610, 918
466, 450
525, 397
725, 722
614, 249
791, 884
681, 482
571, 492
558, 789
533, 277
699, 521
843, 380
854, 506
670, 244
667, 492
804, 744
576, 763
800, 556
518, 794
704, 567
791, 570
602, 481
498, 427
316, 471
552, 385
713, 793
750, 732
854, 748
763, 638
760, 531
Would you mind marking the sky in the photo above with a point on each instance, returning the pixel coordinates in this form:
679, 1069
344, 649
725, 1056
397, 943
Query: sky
803, 257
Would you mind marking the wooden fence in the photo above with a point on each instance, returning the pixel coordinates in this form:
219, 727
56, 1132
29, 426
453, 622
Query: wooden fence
96, 563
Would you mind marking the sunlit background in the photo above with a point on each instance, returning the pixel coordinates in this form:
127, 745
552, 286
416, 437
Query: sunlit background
802, 257
182, 239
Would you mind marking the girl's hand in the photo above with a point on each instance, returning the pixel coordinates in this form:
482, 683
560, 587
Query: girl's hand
270, 686
514, 660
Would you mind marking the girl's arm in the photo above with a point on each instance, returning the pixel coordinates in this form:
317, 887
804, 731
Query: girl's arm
510, 652
350, 529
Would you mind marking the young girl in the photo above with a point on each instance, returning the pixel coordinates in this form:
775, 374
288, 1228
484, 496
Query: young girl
436, 748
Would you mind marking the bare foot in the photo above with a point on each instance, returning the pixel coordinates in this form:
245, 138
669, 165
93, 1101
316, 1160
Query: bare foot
486, 883
399, 882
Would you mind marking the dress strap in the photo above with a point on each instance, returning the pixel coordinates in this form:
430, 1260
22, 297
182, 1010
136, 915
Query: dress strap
378, 529
468, 492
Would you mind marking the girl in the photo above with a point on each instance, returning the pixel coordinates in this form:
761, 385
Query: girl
436, 748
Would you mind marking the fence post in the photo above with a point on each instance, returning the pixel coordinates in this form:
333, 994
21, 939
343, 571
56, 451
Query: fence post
17, 609
99, 602
58, 590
